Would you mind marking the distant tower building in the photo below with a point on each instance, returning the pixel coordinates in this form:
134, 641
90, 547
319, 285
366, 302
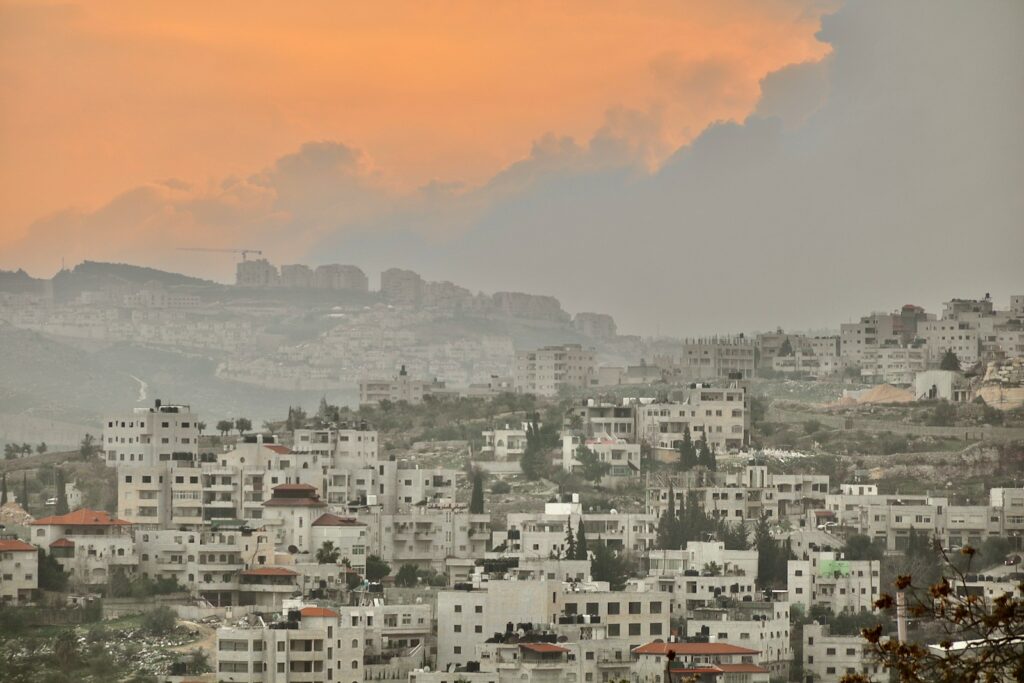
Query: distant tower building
401, 286
337, 276
259, 273
297, 276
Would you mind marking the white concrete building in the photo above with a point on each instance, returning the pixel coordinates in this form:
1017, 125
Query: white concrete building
88, 544
508, 443
164, 434
621, 457
827, 658
316, 647
546, 370
825, 578
19, 571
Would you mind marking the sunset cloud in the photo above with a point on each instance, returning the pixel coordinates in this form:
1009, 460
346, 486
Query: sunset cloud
883, 148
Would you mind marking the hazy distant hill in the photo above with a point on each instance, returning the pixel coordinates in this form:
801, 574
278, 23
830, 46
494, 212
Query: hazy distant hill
45, 378
20, 282
95, 276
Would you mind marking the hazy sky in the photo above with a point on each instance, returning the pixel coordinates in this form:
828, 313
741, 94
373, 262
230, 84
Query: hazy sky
686, 166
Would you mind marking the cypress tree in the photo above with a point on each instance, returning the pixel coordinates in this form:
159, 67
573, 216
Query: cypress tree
570, 551
24, 491
62, 495
476, 500
582, 552
3, 489
667, 525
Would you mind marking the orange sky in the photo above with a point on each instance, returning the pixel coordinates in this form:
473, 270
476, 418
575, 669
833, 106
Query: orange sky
98, 97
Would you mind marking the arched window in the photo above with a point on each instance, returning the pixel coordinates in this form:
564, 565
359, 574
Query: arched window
355, 663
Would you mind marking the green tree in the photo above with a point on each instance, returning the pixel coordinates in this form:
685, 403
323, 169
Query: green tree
772, 556
327, 553
376, 568
11, 451
687, 452
51, 574
42, 448
607, 565
593, 469
949, 361
943, 415
501, 487
476, 498
861, 547
786, 349
668, 531
3, 489
65, 651
225, 426
88, 448
705, 453
243, 425
569, 551
534, 461
582, 551
407, 576
159, 621
62, 494
23, 499
812, 426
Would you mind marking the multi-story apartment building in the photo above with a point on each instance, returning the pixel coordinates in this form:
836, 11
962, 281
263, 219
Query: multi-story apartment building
825, 578
607, 419
890, 520
427, 536
297, 276
508, 443
165, 434
401, 286
721, 414
958, 336
359, 443
880, 330
713, 358
341, 277
546, 370
718, 661
401, 387
761, 624
539, 535
621, 457
88, 544
207, 563
256, 273
19, 571
467, 618
745, 495
827, 657
311, 645
702, 574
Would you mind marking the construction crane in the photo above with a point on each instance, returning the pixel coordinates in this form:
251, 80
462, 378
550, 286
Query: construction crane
244, 252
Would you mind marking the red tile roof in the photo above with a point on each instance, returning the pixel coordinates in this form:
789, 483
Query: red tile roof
15, 545
295, 502
277, 448
268, 571
319, 612
824, 513
294, 487
63, 543
328, 519
543, 648
694, 649
82, 517
742, 668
